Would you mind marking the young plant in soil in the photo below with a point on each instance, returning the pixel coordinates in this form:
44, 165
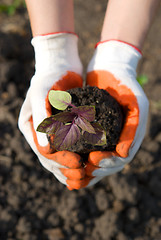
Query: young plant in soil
72, 124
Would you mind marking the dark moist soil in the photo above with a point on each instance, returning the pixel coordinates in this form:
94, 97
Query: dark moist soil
33, 204
108, 114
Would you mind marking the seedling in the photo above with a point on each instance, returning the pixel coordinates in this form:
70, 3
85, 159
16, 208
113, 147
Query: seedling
11, 8
71, 124
142, 80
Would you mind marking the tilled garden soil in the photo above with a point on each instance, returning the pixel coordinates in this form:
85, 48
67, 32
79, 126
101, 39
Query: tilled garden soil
33, 204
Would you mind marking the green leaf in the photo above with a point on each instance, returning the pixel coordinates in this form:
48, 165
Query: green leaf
10, 9
59, 99
142, 80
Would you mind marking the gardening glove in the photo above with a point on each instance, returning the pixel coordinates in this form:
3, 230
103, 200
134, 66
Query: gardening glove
57, 67
113, 68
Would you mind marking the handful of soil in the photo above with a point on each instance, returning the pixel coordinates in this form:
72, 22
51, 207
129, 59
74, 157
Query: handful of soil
109, 115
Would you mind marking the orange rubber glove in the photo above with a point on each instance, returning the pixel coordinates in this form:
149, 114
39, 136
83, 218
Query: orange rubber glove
57, 67
113, 68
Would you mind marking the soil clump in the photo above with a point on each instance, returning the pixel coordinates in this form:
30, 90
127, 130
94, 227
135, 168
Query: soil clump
109, 115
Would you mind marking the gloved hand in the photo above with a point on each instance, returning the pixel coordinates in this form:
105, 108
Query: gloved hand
58, 67
113, 68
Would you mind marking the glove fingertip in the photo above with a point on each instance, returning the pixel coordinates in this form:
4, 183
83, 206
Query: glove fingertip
89, 169
70, 188
123, 149
78, 184
68, 159
95, 157
73, 174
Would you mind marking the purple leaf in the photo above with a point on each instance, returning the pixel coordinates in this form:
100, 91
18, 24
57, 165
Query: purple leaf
87, 112
64, 117
66, 136
49, 125
84, 124
96, 139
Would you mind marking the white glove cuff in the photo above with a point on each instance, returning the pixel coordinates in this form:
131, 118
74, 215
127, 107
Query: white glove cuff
56, 51
116, 52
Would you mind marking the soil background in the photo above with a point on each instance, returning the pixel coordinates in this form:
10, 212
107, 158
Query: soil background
33, 204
